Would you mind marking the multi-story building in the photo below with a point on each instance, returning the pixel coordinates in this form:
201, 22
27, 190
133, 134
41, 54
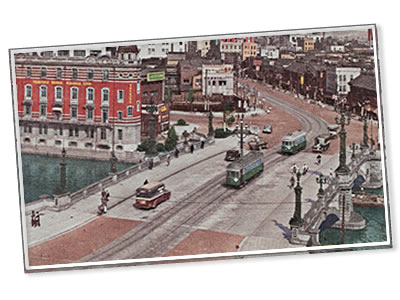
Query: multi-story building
344, 75
88, 105
271, 52
153, 87
308, 45
160, 50
249, 49
203, 47
217, 80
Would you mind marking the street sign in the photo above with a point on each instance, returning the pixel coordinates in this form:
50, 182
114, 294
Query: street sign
155, 76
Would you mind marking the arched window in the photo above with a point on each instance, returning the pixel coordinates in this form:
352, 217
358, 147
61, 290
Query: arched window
43, 92
74, 94
105, 93
58, 93
138, 106
28, 91
89, 94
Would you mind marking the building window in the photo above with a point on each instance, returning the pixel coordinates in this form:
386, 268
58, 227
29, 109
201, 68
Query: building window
76, 131
79, 53
58, 92
89, 113
344, 88
106, 74
130, 110
45, 129
74, 111
138, 106
105, 95
90, 74
120, 96
71, 132
105, 115
40, 129
120, 115
63, 52
43, 92
138, 88
92, 133
59, 73
28, 110
154, 93
74, 94
103, 133
61, 131
74, 73
43, 72
28, 92
120, 134
89, 94
43, 110
144, 94
28, 72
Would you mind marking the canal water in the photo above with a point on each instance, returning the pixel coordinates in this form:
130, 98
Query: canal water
375, 230
41, 174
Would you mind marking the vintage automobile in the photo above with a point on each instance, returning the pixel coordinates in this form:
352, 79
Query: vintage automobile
256, 144
239, 172
267, 128
321, 143
232, 155
151, 194
333, 129
294, 142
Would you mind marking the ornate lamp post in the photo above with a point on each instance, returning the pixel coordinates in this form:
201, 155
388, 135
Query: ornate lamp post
114, 161
353, 148
61, 189
239, 132
296, 220
151, 109
210, 126
342, 168
321, 180
365, 137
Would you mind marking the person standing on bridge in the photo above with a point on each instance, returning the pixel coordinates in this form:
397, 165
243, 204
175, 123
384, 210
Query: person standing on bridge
191, 148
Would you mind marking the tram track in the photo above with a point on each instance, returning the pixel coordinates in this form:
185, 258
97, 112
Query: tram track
155, 238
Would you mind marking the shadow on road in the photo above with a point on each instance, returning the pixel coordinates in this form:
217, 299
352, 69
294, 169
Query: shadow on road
286, 230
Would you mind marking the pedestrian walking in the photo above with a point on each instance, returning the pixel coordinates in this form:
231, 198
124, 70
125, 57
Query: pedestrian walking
146, 182
202, 144
318, 161
176, 152
37, 219
150, 164
168, 160
104, 200
191, 148
33, 219
292, 182
331, 174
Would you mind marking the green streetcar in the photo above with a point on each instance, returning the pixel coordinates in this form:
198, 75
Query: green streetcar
294, 142
245, 168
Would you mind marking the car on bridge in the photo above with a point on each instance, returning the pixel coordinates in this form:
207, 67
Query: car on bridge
151, 194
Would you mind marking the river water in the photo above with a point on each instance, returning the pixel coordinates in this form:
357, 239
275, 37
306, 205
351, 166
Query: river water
41, 174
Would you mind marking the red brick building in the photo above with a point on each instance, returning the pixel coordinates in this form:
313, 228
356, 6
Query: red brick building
153, 87
87, 103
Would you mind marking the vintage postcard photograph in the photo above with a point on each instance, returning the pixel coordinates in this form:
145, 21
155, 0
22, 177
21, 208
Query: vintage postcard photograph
200, 148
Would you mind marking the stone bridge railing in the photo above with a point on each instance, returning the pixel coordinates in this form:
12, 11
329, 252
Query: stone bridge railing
63, 201
313, 216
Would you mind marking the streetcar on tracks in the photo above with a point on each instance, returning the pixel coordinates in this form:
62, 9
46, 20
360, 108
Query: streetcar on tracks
151, 194
239, 172
294, 142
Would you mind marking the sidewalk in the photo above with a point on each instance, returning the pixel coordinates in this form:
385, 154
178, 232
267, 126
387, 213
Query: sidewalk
55, 223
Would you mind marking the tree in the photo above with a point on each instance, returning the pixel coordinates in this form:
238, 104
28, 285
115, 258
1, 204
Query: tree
190, 98
172, 139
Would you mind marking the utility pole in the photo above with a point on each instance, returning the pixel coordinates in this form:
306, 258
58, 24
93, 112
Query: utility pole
342, 168
152, 139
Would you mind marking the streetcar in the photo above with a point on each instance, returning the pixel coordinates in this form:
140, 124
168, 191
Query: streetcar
239, 172
294, 142
151, 194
